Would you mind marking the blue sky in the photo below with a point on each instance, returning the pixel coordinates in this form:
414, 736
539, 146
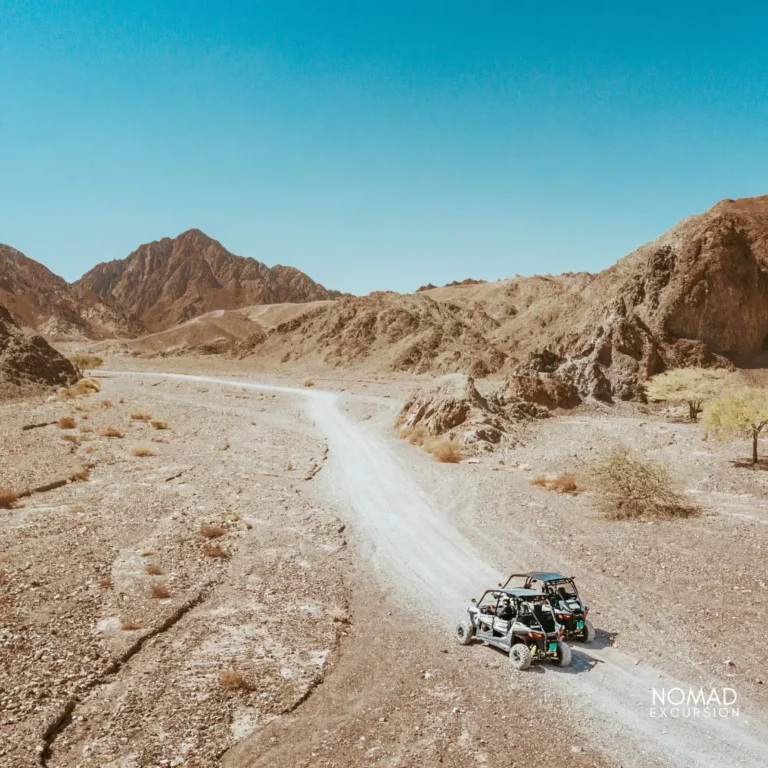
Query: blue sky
376, 145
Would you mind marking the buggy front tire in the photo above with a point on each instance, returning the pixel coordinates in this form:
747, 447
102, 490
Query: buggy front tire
563, 654
588, 633
520, 656
464, 633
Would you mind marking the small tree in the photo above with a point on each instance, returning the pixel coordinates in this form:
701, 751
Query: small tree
694, 386
742, 412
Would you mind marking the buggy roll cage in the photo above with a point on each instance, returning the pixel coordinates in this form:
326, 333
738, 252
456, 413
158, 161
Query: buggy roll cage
528, 599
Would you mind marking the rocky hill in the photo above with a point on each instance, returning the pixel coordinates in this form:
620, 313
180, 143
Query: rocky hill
27, 361
171, 281
46, 302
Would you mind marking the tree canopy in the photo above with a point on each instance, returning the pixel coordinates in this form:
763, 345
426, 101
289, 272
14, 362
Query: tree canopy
741, 412
694, 386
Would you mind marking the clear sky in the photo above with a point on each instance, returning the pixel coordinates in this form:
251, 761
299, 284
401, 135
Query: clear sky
376, 145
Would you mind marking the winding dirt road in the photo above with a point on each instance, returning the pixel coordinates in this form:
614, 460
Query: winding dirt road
415, 548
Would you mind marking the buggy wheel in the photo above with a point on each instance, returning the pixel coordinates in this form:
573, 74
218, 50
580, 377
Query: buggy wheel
520, 656
563, 654
588, 633
464, 632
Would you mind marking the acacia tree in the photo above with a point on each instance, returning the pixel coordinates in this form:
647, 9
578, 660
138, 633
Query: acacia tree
694, 386
742, 412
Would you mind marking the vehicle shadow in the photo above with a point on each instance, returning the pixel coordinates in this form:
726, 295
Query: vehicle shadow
581, 661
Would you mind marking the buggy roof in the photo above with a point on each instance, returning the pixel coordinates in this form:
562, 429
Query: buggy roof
543, 576
521, 593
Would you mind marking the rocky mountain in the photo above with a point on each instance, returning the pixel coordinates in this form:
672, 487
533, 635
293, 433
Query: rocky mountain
46, 302
27, 361
697, 295
171, 281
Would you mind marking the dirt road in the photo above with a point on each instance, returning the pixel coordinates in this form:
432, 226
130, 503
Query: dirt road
414, 547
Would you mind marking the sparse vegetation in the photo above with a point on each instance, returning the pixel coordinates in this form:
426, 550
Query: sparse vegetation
309, 383
628, 487
212, 531
66, 422
140, 414
339, 615
289, 466
153, 570
694, 386
233, 680
414, 435
565, 482
444, 449
214, 550
106, 403
743, 412
141, 450
87, 386
106, 583
159, 591
84, 361
8, 498
80, 474
74, 439
158, 424
127, 625
110, 432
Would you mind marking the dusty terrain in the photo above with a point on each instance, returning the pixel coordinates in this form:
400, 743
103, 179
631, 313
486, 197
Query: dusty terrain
353, 579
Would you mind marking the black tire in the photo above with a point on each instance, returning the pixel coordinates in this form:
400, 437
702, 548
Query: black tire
520, 656
464, 633
588, 633
563, 654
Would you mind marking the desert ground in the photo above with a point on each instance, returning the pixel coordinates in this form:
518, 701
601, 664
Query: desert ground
273, 580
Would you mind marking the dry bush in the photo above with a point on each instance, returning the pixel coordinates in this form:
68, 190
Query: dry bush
85, 428
83, 360
110, 432
414, 435
140, 414
339, 615
141, 450
212, 531
67, 393
158, 424
79, 474
74, 439
127, 625
87, 386
233, 680
628, 487
106, 583
289, 466
8, 498
562, 483
309, 383
153, 570
214, 550
106, 403
444, 450
159, 591
66, 422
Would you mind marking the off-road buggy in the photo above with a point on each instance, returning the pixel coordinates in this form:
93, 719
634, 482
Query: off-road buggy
570, 609
520, 622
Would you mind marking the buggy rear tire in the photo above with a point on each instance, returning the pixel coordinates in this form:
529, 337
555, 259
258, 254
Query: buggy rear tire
520, 656
588, 633
563, 654
464, 633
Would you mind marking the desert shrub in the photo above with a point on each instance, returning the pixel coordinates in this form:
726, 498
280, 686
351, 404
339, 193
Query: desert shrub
233, 680
79, 474
84, 428
694, 386
74, 439
67, 393
128, 625
66, 422
83, 360
414, 435
110, 432
158, 424
153, 570
214, 550
443, 449
87, 386
628, 487
562, 483
140, 414
211, 531
309, 383
8, 498
743, 412
159, 591
141, 449
106, 403
106, 583
289, 466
